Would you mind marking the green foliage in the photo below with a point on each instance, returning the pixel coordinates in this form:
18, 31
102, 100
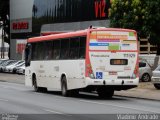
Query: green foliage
128, 14
141, 15
153, 21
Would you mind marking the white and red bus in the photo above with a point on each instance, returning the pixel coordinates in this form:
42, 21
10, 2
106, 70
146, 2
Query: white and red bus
95, 59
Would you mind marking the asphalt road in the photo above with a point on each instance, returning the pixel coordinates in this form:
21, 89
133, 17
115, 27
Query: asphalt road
17, 99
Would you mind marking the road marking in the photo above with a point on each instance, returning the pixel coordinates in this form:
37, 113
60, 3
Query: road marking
52, 111
4, 100
119, 106
56, 112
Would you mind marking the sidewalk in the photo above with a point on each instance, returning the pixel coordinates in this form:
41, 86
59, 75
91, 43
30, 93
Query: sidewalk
145, 90
12, 78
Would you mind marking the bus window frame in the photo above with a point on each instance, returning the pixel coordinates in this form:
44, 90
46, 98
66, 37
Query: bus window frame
59, 40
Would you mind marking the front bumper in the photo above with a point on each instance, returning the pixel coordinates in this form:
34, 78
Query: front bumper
117, 84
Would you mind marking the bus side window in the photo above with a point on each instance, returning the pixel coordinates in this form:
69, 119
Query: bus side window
64, 53
27, 55
41, 51
48, 50
33, 56
82, 49
74, 48
56, 50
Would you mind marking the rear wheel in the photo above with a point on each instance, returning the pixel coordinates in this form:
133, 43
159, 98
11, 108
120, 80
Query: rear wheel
146, 77
105, 92
36, 88
157, 86
65, 92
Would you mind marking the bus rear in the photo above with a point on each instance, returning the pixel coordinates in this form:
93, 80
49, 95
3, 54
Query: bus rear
112, 59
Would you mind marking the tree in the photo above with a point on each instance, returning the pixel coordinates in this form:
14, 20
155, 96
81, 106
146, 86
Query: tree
141, 15
153, 22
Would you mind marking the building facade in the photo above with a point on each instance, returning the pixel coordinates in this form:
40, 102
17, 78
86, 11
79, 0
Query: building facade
29, 18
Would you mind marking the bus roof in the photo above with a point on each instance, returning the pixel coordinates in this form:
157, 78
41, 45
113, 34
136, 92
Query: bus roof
74, 34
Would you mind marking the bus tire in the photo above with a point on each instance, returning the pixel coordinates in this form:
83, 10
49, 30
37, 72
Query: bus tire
36, 88
64, 90
105, 93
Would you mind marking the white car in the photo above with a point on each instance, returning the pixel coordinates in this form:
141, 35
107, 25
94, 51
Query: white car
145, 71
9, 68
21, 70
6, 63
156, 77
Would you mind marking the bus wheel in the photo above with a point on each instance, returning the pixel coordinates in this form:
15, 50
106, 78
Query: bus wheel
105, 93
65, 92
36, 88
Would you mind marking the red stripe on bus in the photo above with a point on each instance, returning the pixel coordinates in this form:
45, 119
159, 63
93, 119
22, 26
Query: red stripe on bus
56, 36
